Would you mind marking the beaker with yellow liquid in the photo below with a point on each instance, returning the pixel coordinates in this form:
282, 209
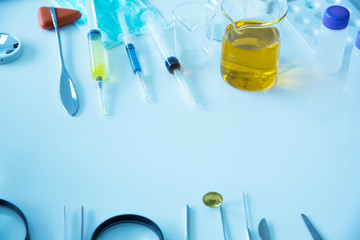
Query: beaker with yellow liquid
251, 42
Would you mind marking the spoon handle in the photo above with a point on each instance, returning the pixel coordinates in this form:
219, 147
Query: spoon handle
54, 20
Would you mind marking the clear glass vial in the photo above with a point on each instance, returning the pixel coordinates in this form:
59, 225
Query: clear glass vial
352, 85
329, 51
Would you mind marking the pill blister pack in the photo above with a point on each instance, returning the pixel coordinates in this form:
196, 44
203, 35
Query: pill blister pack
304, 20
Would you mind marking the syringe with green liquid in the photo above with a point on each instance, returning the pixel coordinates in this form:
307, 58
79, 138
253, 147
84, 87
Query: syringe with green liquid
97, 57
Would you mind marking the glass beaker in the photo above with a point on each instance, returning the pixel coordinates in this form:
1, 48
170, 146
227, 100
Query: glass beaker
194, 28
251, 42
218, 20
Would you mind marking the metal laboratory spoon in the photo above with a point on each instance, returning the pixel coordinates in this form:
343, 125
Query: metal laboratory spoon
214, 200
263, 230
68, 94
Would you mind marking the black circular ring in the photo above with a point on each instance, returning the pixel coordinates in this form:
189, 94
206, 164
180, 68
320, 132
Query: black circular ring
15, 209
127, 218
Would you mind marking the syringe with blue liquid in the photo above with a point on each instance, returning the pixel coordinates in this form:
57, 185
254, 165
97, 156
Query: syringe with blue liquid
134, 61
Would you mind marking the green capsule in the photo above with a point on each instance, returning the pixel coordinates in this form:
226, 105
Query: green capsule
212, 199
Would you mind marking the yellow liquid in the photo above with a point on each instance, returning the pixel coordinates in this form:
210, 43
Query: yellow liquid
250, 58
98, 71
97, 62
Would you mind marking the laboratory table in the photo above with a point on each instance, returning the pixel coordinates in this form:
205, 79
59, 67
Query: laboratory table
292, 149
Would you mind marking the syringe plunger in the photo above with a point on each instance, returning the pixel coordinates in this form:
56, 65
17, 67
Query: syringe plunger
172, 63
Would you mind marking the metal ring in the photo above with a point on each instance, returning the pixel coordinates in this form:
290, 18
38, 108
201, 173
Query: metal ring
15, 209
127, 218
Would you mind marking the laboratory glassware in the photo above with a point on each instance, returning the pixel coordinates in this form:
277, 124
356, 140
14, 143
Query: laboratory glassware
214, 200
352, 85
330, 47
218, 19
172, 64
304, 21
97, 52
131, 52
68, 94
193, 33
251, 42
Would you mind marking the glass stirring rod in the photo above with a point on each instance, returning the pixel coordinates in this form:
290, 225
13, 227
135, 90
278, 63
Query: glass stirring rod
134, 61
172, 63
97, 59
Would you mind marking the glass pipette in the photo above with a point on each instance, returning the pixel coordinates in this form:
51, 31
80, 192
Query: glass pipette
97, 59
134, 61
171, 62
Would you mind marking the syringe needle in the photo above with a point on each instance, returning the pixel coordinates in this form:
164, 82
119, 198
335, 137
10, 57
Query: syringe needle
184, 86
101, 97
143, 87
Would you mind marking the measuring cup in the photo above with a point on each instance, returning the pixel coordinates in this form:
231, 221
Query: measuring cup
251, 42
194, 29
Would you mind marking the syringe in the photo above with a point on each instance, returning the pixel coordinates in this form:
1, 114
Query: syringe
97, 59
134, 61
171, 62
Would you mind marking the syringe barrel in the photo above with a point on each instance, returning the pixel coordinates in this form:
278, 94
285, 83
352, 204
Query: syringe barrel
155, 29
124, 28
134, 61
97, 58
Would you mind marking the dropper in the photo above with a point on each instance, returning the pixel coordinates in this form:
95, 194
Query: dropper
171, 62
97, 59
134, 61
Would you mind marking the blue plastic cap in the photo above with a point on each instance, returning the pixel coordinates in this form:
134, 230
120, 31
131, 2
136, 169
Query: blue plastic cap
336, 17
357, 43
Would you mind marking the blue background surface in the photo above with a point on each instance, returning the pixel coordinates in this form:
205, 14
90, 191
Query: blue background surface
293, 149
